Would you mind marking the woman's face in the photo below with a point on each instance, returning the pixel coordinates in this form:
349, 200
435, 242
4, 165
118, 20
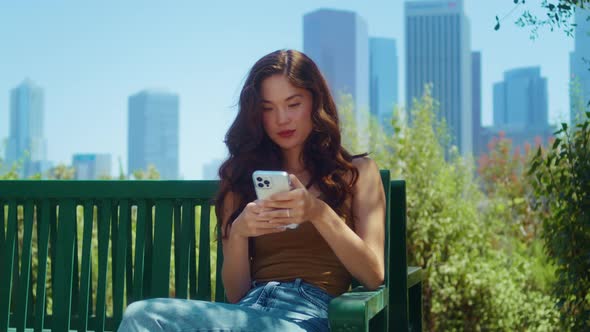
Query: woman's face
286, 112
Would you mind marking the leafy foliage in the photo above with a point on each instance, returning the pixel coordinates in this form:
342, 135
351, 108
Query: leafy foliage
562, 186
556, 15
471, 282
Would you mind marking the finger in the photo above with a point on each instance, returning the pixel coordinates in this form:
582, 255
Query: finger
282, 221
264, 225
295, 182
271, 204
275, 229
254, 207
277, 213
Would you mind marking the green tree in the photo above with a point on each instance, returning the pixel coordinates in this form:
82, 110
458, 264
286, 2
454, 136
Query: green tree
555, 15
470, 284
151, 173
562, 186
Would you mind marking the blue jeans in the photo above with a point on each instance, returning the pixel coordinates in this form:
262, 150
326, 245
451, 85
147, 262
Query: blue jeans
271, 306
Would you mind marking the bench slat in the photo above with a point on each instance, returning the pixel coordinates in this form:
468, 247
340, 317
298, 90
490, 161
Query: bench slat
42, 249
120, 258
162, 242
204, 282
25, 267
182, 247
8, 260
66, 232
140, 235
85, 278
104, 220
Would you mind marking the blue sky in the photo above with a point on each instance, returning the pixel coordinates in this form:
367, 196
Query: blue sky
89, 57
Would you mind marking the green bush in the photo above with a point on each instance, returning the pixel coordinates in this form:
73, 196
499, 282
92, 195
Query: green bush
471, 282
562, 186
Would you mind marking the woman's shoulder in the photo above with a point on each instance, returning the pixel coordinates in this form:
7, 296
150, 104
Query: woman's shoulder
364, 164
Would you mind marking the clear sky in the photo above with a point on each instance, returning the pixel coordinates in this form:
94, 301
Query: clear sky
90, 56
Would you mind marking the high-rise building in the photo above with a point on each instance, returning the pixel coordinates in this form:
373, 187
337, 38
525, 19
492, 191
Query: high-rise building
476, 103
91, 166
153, 132
580, 66
438, 52
26, 142
383, 81
521, 99
338, 42
520, 106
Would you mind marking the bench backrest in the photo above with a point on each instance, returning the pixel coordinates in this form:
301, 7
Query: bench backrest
80, 231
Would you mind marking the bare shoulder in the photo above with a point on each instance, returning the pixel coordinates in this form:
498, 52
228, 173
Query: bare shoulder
366, 166
369, 175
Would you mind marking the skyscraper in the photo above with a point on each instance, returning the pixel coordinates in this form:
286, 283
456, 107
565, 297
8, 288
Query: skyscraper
383, 81
153, 132
438, 51
26, 141
580, 66
91, 166
338, 43
520, 106
476, 103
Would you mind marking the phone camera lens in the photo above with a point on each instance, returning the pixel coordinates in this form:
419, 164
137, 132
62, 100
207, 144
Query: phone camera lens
266, 182
260, 185
259, 179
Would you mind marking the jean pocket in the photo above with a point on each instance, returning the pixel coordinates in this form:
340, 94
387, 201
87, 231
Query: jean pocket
316, 296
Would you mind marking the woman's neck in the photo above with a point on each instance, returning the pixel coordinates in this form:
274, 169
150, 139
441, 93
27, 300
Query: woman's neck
293, 163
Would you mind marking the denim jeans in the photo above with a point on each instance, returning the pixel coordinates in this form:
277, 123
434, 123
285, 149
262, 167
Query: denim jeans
271, 306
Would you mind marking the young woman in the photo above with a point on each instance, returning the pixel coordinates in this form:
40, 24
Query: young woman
277, 278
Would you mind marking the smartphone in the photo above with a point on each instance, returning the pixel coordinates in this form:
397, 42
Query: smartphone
267, 183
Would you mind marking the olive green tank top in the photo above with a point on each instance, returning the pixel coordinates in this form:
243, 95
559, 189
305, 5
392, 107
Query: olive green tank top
299, 253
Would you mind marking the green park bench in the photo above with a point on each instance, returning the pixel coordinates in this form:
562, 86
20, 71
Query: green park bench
55, 238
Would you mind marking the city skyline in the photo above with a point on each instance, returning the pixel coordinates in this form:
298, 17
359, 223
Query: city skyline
152, 135
438, 52
88, 69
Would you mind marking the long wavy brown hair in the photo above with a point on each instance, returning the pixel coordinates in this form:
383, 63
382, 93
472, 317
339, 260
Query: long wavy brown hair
250, 148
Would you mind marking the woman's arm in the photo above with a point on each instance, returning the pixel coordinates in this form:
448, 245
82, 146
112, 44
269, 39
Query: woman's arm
236, 260
361, 250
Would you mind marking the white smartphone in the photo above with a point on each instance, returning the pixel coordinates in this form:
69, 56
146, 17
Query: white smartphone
267, 183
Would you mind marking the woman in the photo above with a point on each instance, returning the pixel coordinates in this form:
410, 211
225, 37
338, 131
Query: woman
280, 279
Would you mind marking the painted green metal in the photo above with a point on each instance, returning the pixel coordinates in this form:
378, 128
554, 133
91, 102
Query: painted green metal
140, 232
182, 248
104, 221
8, 258
120, 258
164, 209
66, 232
42, 250
85, 279
25, 268
162, 243
204, 268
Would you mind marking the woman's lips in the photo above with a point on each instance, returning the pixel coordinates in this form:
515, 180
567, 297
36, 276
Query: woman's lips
286, 133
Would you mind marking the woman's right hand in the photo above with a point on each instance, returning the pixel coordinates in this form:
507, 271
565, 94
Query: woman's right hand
251, 224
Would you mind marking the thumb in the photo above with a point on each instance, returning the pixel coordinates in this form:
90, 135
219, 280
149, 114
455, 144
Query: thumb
295, 182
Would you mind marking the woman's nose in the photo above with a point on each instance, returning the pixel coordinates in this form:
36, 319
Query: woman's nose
282, 116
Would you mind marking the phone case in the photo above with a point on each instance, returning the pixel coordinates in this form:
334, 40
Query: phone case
267, 183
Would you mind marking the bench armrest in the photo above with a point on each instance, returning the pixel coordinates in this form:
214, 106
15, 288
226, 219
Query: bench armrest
352, 310
414, 275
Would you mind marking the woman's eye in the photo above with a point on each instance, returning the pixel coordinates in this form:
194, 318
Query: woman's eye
294, 105
266, 109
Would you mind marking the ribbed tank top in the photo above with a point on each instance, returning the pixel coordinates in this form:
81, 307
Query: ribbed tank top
299, 253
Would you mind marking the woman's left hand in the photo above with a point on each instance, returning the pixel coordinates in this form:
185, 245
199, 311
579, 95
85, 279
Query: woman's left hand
292, 207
